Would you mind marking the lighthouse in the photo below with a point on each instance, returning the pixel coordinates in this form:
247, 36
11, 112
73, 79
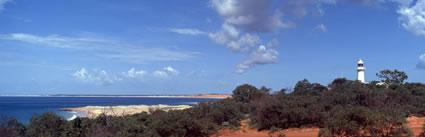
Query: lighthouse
360, 71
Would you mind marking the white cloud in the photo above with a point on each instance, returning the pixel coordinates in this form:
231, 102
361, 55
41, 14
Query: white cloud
250, 15
412, 18
133, 73
160, 74
260, 56
166, 72
229, 36
2, 3
421, 64
97, 77
55, 41
109, 49
171, 70
81, 75
225, 35
412, 12
301, 8
321, 27
101, 77
244, 43
243, 19
187, 31
273, 43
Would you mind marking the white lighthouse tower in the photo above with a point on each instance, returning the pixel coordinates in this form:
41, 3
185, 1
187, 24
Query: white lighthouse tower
360, 71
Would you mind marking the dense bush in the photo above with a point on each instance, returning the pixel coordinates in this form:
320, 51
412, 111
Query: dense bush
246, 93
361, 121
226, 110
47, 125
9, 127
285, 112
343, 108
179, 124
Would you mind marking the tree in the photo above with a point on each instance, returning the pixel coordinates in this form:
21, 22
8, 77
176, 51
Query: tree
265, 90
302, 86
356, 121
339, 83
282, 91
47, 125
305, 87
245, 93
17, 129
392, 77
10, 127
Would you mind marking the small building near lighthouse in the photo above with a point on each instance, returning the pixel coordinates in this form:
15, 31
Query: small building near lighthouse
360, 71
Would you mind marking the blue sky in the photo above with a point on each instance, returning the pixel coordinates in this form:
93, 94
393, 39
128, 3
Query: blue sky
202, 46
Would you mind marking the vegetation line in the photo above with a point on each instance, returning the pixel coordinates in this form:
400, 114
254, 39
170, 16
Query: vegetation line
342, 108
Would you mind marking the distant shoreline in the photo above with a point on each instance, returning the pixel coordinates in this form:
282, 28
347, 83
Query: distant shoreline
212, 96
94, 111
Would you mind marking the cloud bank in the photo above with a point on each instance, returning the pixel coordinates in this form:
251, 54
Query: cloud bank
412, 16
229, 36
166, 72
262, 55
97, 77
250, 15
101, 77
133, 73
243, 20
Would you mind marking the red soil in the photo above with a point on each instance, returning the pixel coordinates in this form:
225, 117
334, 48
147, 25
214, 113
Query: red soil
414, 123
247, 132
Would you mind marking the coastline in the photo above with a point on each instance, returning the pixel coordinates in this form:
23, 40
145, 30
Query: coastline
94, 111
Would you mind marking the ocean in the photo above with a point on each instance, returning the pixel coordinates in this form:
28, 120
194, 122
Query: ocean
22, 108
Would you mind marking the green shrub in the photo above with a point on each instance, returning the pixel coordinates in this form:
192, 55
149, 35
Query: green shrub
287, 111
344, 108
226, 110
361, 121
10, 127
47, 125
179, 124
246, 93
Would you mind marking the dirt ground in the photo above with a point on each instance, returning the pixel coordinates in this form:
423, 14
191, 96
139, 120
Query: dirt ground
246, 132
414, 123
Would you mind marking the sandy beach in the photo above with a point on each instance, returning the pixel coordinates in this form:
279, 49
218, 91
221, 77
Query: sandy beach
94, 111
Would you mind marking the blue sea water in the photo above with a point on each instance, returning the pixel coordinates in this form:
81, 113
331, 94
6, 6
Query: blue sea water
22, 108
